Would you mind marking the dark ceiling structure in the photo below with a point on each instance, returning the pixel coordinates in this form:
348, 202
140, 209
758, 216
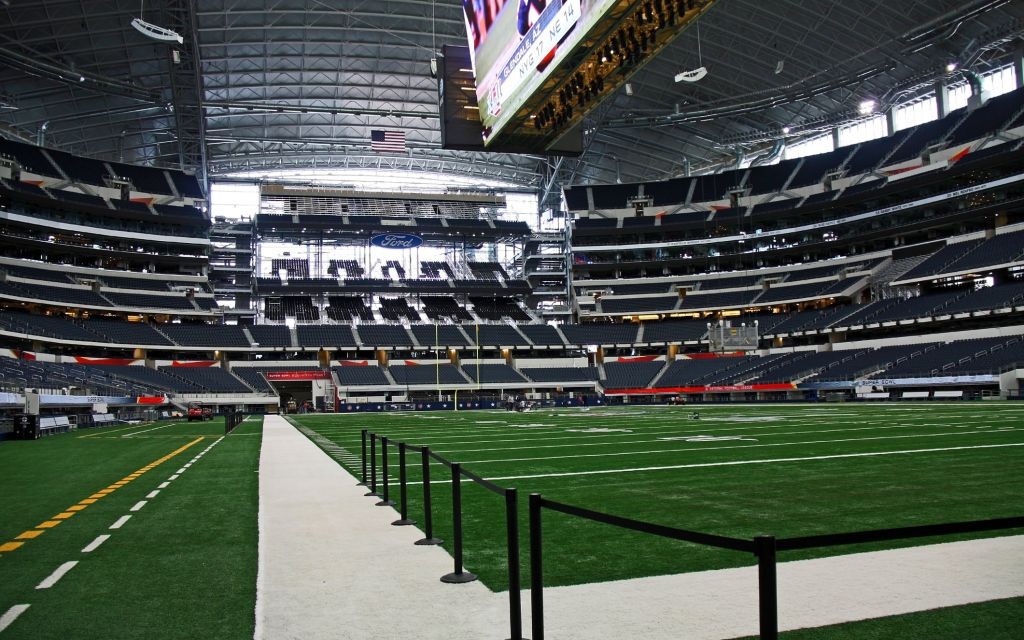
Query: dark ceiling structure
260, 85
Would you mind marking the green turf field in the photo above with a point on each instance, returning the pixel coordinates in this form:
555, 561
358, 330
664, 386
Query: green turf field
180, 560
740, 471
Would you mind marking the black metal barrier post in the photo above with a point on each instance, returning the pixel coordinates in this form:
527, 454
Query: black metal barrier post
515, 605
373, 466
362, 479
767, 587
536, 569
403, 490
428, 519
385, 500
458, 575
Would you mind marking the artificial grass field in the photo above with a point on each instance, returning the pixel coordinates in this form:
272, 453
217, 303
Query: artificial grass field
937, 463
183, 565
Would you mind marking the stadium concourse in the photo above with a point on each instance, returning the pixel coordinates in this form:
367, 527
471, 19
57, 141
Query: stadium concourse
332, 566
737, 275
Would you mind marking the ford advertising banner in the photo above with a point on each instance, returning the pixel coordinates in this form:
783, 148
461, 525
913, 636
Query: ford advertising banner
396, 241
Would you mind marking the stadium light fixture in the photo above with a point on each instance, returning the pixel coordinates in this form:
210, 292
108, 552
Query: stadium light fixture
867, 107
694, 75
153, 31
785, 130
951, 66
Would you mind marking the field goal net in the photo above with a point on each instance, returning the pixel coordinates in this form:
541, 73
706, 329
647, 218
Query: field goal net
724, 336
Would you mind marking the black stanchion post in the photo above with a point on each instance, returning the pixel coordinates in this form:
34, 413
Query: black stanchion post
403, 490
767, 587
385, 500
458, 575
536, 569
428, 518
362, 479
373, 465
515, 604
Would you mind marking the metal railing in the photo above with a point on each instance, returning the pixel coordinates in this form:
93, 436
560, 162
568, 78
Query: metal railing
765, 548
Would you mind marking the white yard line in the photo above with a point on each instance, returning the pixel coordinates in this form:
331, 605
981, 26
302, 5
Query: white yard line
11, 615
120, 522
737, 446
731, 463
95, 544
152, 494
163, 426
57, 575
138, 505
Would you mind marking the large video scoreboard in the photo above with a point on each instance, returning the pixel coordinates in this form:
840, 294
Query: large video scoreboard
541, 65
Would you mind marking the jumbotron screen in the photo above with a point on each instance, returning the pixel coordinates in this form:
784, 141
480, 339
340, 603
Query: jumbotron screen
516, 45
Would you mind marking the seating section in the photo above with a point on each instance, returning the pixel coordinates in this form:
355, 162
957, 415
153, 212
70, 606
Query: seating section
442, 335
118, 331
497, 335
293, 268
56, 378
347, 308
639, 305
206, 335
598, 334
542, 334
445, 308
397, 310
691, 372
676, 331
493, 374
630, 375
58, 295
560, 374
207, 379
427, 374
269, 335
147, 301
361, 376
326, 336
498, 309
384, 335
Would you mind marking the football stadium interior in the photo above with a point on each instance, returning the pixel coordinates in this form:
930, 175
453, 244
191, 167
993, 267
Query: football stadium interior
701, 318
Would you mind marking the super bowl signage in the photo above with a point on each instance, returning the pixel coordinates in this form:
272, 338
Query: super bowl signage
396, 241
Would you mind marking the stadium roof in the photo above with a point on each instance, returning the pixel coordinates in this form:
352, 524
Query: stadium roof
272, 84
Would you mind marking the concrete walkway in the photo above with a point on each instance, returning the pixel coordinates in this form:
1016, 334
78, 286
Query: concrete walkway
332, 566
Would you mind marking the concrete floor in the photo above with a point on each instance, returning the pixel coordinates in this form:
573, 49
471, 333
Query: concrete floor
332, 566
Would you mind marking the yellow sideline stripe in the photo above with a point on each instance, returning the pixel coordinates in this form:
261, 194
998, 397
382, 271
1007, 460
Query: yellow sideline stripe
40, 529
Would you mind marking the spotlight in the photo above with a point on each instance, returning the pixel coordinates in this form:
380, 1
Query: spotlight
951, 66
629, 89
785, 130
866, 107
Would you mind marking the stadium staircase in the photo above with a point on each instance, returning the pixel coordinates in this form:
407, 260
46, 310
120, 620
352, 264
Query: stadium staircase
412, 337
561, 335
640, 340
462, 330
525, 337
248, 336
387, 374
657, 377
294, 334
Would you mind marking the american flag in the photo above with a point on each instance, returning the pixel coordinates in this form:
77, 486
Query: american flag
387, 141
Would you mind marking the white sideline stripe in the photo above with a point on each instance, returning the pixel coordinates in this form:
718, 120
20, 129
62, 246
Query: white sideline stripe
11, 615
120, 522
174, 477
180, 471
737, 462
92, 546
138, 505
57, 575
153, 494
162, 485
737, 446
163, 426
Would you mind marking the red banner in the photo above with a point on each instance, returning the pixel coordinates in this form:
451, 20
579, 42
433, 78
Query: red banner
725, 388
353, 363
296, 375
193, 363
637, 359
121, 362
156, 400
707, 355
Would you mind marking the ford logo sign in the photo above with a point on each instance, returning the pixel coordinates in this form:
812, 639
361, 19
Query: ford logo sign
396, 241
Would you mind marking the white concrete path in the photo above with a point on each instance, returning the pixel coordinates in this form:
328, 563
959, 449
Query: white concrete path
332, 566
